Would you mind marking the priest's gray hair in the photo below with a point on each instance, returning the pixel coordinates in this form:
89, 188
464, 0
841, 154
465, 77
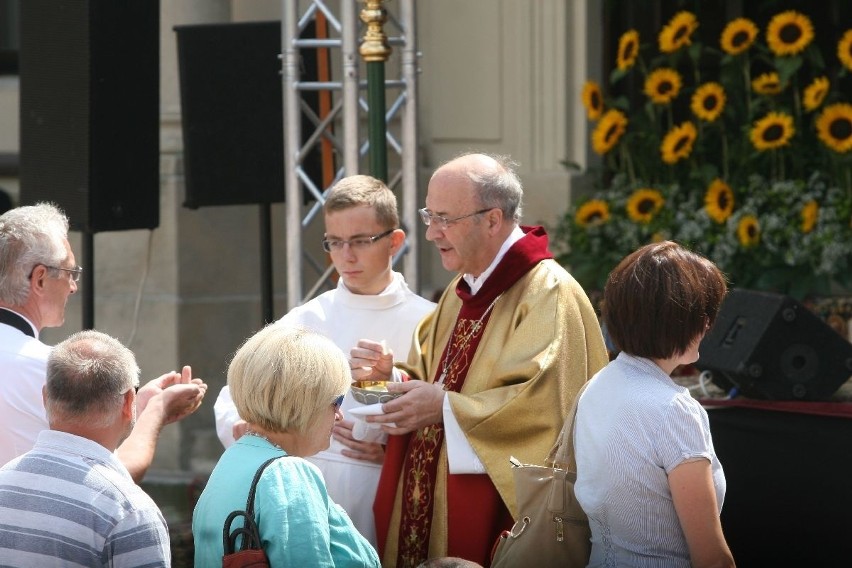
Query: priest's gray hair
497, 183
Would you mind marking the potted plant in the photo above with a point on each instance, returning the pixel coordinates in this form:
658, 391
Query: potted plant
740, 148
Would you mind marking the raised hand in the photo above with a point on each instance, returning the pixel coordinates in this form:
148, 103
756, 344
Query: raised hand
370, 360
181, 394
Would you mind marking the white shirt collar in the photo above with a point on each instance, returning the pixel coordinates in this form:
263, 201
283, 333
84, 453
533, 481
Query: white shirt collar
396, 292
476, 282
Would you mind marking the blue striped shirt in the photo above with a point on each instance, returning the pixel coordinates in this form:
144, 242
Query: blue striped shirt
634, 426
70, 502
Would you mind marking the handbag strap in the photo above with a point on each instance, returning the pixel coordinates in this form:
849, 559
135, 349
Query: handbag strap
253, 488
561, 455
249, 532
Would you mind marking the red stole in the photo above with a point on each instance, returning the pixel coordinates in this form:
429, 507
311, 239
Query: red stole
473, 502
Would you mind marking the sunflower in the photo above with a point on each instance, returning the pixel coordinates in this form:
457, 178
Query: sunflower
708, 102
677, 143
643, 204
608, 131
844, 49
772, 131
834, 127
628, 49
767, 84
809, 216
592, 100
719, 201
592, 212
815, 93
748, 231
788, 33
678, 32
662, 85
738, 36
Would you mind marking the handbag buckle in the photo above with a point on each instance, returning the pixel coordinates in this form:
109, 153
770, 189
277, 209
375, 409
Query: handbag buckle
524, 523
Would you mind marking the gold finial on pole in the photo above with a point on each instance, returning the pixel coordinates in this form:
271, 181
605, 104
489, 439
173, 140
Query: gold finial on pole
375, 46
375, 50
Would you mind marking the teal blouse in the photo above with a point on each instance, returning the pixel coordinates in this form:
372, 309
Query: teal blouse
299, 524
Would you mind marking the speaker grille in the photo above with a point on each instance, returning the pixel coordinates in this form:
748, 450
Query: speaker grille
231, 113
771, 346
55, 69
90, 110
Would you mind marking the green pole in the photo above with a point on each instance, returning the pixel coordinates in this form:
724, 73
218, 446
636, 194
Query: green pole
375, 51
377, 124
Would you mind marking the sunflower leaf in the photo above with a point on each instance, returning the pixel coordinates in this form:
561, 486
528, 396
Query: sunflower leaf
787, 67
617, 75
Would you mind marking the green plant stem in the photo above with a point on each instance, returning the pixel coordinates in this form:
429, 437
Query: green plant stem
797, 161
797, 104
777, 165
628, 162
696, 72
773, 166
747, 86
724, 153
610, 162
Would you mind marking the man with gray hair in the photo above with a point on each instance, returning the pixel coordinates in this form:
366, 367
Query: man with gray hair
38, 272
69, 500
493, 371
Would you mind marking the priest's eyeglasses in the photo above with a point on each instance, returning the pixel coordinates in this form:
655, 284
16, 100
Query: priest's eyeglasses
358, 243
428, 217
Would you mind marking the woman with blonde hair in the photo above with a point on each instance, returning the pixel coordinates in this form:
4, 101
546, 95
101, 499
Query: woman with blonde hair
287, 384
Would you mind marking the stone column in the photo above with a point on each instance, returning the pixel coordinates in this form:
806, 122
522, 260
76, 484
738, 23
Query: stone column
504, 76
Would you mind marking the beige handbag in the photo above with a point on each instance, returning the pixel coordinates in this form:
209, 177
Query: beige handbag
552, 529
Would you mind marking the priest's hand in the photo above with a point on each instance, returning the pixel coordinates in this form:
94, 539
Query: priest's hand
370, 361
421, 405
356, 449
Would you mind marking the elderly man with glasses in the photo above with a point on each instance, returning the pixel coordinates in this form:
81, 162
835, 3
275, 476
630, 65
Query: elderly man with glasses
38, 272
492, 373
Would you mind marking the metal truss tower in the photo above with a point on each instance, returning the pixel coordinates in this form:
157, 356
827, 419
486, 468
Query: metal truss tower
337, 128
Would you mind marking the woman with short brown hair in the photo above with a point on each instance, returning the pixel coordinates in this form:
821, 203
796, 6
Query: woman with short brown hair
647, 474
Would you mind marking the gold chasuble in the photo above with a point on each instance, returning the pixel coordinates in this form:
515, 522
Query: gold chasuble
512, 358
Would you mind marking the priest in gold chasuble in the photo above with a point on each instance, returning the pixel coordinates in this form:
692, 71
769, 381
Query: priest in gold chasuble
491, 374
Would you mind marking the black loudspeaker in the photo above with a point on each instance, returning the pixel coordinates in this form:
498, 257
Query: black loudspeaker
770, 346
90, 110
231, 112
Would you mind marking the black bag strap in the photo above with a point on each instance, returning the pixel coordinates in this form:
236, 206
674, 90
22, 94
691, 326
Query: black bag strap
249, 532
